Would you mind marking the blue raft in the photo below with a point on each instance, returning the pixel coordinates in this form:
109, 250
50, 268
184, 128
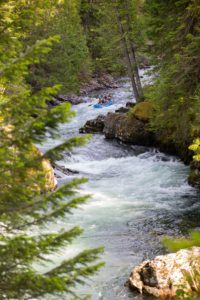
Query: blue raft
98, 105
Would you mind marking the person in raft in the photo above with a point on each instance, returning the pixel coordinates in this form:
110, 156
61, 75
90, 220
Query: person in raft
109, 97
102, 100
105, 99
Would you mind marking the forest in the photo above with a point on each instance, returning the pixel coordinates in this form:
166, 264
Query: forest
99, 149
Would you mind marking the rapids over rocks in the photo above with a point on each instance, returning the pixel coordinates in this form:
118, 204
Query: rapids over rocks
139, 195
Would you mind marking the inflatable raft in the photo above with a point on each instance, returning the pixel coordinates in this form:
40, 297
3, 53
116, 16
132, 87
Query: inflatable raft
101, 105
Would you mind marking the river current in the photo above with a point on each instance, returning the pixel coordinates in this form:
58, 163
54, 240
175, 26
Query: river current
139, 196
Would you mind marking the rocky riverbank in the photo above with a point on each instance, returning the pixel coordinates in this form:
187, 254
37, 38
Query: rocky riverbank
165, 275
130, 124
96, 83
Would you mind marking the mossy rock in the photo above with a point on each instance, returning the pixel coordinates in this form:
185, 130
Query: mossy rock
50, 181
142, 111
41, 175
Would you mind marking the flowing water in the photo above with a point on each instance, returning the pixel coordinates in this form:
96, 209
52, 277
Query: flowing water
139, 195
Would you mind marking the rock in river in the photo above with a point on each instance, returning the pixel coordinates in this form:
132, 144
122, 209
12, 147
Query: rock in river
166, 274
94, 126
127, 129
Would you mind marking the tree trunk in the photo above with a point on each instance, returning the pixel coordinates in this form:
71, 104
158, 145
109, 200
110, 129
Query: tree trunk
128, 59
132, 54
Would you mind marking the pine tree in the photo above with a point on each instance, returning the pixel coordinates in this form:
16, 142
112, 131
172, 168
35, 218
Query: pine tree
68, 62
112, 34
174, 26
25, 203
102, 36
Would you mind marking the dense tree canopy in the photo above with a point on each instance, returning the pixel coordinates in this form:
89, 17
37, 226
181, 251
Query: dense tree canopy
53, 46
174, 26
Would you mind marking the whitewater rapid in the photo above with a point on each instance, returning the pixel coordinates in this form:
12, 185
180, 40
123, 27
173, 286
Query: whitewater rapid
139, 196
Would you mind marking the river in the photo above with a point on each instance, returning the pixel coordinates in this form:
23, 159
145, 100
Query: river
139, 196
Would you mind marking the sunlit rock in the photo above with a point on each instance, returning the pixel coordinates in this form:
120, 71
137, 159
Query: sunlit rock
50, 182
168, 274
50, 179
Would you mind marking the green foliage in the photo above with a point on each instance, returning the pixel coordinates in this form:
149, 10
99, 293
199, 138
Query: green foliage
142, 111
102, 36
192, 277
173, 27
68, 63
24, 210
183, 243
102, 32
196, 148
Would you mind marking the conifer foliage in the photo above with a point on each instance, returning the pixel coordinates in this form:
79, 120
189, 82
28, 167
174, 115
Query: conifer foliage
68, 62
113, 36
26, 206
173, 27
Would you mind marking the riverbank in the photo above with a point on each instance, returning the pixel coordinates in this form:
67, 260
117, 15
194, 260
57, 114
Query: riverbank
96, 83
132, 125
139, 195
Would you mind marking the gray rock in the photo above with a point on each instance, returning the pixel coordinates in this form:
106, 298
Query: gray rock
130, 104
97, 83
94, 126
74, 100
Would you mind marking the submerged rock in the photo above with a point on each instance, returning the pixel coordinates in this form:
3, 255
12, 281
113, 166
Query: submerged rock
166, 274
94, 126
64, 170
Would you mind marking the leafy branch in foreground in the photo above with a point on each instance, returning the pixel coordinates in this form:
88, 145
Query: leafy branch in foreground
195, 147
28, 198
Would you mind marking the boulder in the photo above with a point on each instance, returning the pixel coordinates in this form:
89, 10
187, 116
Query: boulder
142, 111
94, 126
50, 182
97, 83
166, 275
50, 179
107, 81
130, 104
126, 129
73, 99
122, 127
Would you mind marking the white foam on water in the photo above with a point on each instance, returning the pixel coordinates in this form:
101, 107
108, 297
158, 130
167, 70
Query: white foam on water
126, 188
